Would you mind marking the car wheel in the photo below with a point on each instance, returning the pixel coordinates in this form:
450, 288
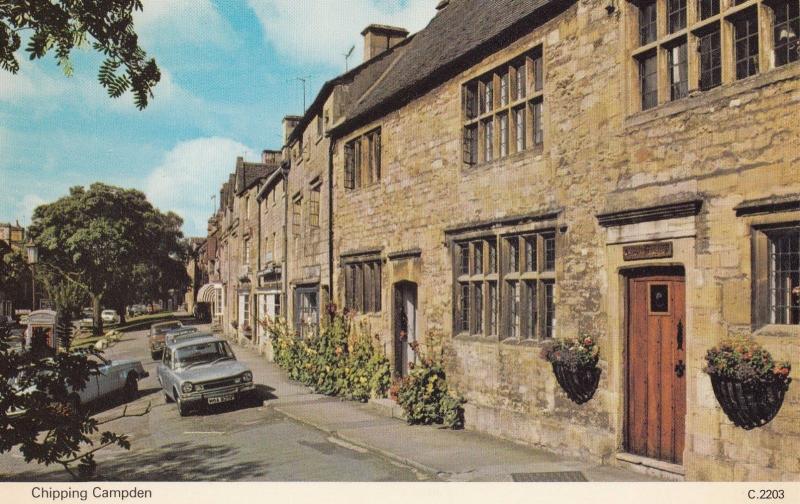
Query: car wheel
182, 408
131, 390
167, 398
154, 356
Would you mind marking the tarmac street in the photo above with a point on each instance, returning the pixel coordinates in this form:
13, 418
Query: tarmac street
289, 433
247, 442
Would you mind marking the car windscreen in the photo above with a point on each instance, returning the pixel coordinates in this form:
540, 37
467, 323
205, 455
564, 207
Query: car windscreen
163, 329
202, 353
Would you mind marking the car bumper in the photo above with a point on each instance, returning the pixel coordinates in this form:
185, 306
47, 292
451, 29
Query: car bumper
198, 398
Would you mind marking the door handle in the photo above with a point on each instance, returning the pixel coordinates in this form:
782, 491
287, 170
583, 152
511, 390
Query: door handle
680, 368
680, 334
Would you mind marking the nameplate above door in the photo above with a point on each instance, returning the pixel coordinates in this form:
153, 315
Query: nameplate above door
658, 250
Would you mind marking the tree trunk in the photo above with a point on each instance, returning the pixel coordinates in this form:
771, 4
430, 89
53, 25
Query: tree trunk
96, 310
120, 307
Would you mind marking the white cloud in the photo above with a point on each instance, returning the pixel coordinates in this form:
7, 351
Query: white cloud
320, 31
165, 23
190, 174
30, 82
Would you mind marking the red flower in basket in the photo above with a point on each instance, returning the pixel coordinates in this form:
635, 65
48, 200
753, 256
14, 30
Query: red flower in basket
587, 342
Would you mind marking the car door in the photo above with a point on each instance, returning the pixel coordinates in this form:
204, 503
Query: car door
105, 379
164, 370
92, 389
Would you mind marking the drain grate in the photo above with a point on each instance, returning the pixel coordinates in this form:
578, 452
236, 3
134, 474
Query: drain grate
549, 476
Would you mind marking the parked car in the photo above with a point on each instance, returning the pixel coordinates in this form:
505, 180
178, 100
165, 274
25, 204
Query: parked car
119, 377
88, 318
157, 333
203, 371
110, 317
183, 333
136, 310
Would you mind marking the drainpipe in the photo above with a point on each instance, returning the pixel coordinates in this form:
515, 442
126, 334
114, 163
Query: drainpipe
285, 273
331, 145
258, 248
256, 314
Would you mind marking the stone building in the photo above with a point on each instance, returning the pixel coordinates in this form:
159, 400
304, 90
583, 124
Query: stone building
196, 269
308, 164
237, 233
523, 170
12, 239
270, 277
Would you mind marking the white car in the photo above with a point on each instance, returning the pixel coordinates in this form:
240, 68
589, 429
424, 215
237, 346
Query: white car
110, 317
87, 320
112, 378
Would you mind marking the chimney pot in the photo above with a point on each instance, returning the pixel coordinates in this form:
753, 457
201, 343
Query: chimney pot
380, 38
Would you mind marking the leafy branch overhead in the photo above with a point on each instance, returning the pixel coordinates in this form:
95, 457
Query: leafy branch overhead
61, 25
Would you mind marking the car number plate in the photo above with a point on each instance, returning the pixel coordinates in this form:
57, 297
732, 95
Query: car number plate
221, 399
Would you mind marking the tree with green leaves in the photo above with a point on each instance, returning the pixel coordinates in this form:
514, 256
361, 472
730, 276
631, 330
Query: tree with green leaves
98, 239
59, 26
39, 411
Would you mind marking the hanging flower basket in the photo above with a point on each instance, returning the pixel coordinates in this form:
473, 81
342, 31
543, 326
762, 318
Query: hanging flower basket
579, 384
749, 404
574, 366
748, 383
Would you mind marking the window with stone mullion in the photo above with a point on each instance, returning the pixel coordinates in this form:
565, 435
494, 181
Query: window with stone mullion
528, 308
676, 15
494, 108
707, 8
745, 46
710, 49
463, 307
678, 71
784, 276
363, 286
477, 308
786, 31
647, 22
474, 314
549, 309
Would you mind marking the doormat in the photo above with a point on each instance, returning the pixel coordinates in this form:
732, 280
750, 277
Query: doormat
549, 476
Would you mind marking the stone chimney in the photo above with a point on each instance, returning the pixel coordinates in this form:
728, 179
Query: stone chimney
270, 157
379, 38
289, 123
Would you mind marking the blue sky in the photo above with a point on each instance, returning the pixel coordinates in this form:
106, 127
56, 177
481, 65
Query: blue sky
228, 70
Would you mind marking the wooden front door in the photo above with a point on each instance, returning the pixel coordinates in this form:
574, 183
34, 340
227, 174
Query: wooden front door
656, 364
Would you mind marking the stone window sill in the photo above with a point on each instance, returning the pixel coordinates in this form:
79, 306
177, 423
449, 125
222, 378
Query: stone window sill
778, 331
536, 152
528, 342
715, 96
475, 338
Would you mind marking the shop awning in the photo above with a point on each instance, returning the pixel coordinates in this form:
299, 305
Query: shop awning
206, 293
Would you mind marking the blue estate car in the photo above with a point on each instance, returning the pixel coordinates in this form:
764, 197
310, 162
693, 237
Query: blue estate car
202, 371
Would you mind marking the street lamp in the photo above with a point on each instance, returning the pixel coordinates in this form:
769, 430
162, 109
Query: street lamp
33, 257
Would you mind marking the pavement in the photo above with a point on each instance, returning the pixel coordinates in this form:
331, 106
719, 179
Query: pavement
444, 454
